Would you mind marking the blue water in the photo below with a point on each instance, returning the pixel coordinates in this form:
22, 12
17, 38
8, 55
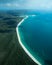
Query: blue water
37, 34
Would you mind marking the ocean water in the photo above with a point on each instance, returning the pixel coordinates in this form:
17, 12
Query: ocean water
36, 35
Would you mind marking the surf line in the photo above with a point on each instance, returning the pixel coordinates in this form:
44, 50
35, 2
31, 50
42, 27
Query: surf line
20, 42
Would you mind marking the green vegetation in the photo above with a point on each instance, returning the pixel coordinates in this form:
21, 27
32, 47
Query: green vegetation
11, 52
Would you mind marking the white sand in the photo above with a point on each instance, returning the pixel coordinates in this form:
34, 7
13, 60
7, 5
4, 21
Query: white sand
24, 48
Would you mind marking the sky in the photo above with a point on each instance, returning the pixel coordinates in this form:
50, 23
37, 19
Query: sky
26, 4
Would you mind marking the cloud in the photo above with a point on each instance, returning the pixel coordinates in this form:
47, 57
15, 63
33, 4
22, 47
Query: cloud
28, 4
10, 5
7, 4
39, 4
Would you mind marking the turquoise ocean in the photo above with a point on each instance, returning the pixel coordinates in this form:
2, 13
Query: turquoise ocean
36, 35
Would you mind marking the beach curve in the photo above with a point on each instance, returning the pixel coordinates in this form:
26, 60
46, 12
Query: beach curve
20, 42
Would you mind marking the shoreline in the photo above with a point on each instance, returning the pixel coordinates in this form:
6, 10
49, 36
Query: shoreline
20, 42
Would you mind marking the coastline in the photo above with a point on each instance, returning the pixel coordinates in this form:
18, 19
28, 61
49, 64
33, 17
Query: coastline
24, 48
